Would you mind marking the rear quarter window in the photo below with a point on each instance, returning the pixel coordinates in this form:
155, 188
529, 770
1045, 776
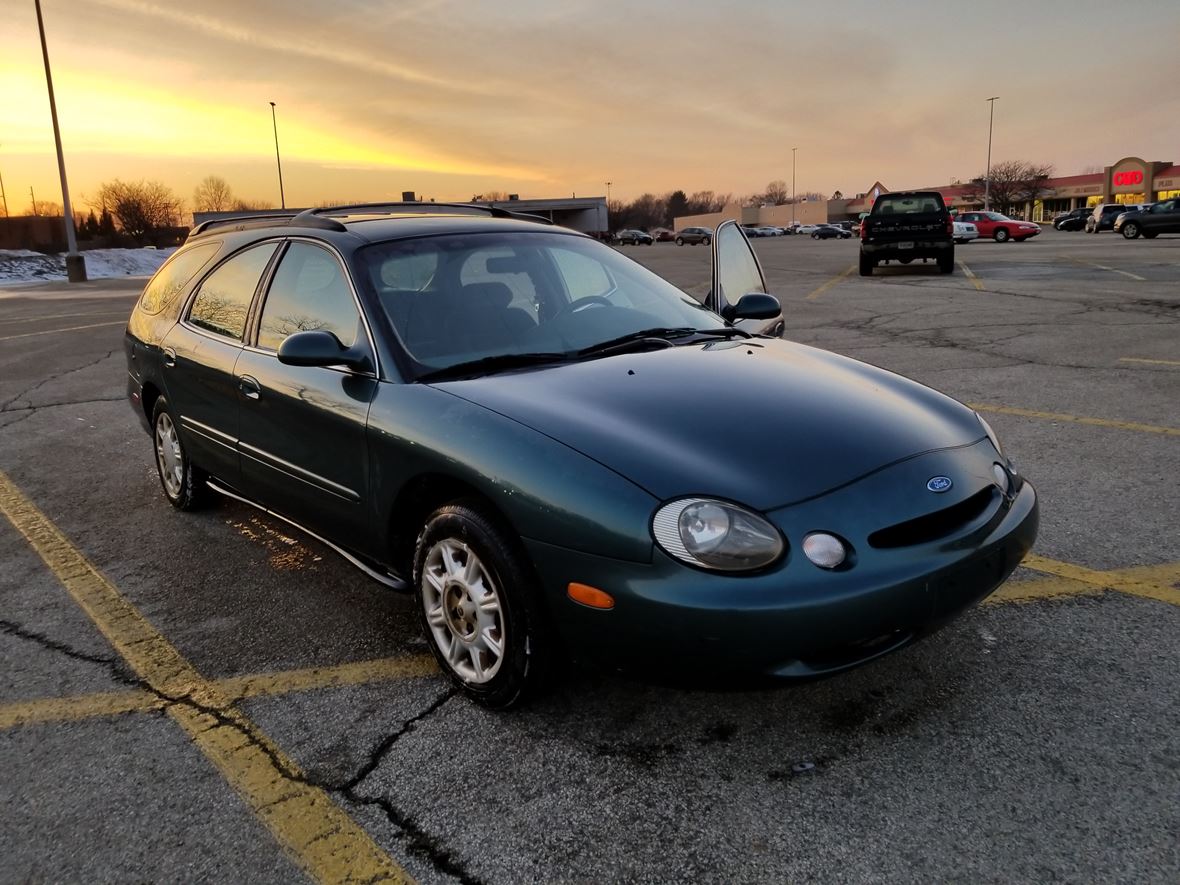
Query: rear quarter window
174, 276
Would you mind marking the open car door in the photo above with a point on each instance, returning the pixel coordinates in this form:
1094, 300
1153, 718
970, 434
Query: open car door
736, 274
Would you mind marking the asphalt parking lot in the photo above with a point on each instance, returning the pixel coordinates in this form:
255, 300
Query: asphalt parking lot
199, 696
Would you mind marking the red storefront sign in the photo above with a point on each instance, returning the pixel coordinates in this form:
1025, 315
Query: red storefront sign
1125, 178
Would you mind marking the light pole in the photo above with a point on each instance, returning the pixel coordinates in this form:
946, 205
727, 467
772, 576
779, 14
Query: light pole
607, 183
278, 162
75, 263
4, 196
987, 181
793, 185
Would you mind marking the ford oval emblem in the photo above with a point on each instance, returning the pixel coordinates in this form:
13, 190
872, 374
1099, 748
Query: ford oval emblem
939, 483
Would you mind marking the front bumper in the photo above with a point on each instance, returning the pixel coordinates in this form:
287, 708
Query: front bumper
795, 621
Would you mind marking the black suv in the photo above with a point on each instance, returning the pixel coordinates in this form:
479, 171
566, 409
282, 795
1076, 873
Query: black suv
1103, 217
905, 225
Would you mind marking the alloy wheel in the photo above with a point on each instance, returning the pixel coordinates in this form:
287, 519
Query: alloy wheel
169, 456
463, 611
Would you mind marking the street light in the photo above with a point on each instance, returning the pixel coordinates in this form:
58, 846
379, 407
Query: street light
793, 200
278, 162
607, 183
987, 181
3, 196
75, 263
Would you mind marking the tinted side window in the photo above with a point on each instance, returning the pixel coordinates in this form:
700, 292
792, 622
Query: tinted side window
309, 293
174, 276
223, 302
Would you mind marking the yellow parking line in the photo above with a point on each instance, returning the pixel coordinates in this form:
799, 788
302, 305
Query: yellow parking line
1043, 588
1125, 582
970, 274
1076, 419
814, 294
319, 835
114, 703
1133, 359
66, 329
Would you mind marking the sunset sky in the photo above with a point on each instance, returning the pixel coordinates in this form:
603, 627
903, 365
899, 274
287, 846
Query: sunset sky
547, 98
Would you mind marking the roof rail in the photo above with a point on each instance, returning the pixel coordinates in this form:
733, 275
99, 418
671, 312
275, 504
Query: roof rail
418, 207
269, 219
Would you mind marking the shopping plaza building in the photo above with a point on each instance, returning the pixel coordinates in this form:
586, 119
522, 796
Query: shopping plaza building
1130, 180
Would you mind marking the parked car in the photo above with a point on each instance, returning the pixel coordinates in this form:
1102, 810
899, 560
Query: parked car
634, 238
965, 232
999, 227
806, 228
1074, 219
663, 234
754, 230
503, 418
694, 235
830, 232
905, 225
1157, 218
1103, 217
769, 230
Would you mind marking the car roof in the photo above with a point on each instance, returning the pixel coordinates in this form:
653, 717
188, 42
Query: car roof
380, 222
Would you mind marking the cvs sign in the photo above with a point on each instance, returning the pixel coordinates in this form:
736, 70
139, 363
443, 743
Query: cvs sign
1121, 179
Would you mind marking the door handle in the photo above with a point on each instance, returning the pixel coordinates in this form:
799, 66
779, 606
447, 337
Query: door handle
169, 357
250, 387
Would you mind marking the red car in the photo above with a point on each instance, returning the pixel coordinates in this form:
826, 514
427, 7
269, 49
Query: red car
999, 227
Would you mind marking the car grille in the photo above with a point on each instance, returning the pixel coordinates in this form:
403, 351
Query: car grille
935, 525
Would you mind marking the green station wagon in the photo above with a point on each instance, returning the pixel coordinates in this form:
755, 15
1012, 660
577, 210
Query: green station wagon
560, 454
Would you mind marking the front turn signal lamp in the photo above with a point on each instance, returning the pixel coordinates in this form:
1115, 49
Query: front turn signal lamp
716, 535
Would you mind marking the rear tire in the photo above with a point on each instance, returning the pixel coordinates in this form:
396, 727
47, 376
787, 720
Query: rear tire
946, 264
1001, 235
480, 607
183, 482
866, 265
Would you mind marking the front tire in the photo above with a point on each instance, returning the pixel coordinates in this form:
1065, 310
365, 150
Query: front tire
480, 607
183, 482
1001, 235
1131, 230
680, 241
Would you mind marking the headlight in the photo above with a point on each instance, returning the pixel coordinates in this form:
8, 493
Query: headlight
991, 434
716, 535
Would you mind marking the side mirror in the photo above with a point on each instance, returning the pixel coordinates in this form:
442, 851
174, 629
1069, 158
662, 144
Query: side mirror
321, 349
753, 306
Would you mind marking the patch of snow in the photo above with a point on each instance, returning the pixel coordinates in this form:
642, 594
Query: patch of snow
23, 266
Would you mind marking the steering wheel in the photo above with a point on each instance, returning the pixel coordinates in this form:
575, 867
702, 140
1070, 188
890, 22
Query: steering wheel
580, 304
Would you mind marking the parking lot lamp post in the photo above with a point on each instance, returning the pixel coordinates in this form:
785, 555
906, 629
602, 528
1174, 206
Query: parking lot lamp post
4, 196
793, 185
278, 162
607, 183
987, 181
75, 263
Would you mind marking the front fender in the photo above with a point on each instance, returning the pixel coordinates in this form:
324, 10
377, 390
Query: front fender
548, 491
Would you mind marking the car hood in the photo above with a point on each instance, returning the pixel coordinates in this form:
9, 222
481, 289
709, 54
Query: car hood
763, 422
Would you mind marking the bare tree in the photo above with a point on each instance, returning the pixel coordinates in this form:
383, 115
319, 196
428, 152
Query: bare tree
213, 194
777, 193
1012, 183
141, 206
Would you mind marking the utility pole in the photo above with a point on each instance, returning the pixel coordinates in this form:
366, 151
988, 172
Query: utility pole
33, 200
75, 263
4, 196
987, 181
278, 162
793, 185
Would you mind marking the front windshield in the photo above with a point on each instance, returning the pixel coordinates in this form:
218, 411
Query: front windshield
465, 297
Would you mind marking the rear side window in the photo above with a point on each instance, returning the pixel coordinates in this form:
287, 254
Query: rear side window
174, 276
223, 301
913, 204
309, 293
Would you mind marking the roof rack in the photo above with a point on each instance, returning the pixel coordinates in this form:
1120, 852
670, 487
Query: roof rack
269, 219
418, 207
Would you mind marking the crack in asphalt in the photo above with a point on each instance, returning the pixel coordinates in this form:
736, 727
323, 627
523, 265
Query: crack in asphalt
23, 395
417, 840
27, 412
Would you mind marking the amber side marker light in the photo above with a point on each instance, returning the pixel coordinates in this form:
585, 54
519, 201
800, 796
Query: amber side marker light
590, 596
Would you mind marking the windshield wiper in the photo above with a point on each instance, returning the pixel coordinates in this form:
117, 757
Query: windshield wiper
657, 335
489, 364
